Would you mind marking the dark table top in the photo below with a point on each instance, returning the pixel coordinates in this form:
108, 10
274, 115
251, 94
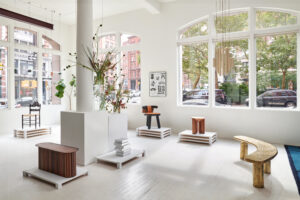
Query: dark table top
57, 147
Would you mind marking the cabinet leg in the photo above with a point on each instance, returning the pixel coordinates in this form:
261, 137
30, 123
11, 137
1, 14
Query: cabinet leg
244, 150
258, 175
267, 167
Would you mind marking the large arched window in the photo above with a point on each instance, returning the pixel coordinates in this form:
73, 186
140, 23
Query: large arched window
37, 66
261, 59
127, 46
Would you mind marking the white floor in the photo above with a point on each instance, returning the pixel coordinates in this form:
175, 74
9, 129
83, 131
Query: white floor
170, 170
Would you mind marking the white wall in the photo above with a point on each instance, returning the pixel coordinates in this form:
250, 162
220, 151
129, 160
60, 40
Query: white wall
159, 53
11, 118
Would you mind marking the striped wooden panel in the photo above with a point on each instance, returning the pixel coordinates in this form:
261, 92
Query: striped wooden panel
62, 164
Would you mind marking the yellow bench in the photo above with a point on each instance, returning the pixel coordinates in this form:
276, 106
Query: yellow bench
261, 158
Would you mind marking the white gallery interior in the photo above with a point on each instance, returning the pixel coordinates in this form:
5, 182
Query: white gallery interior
234, 63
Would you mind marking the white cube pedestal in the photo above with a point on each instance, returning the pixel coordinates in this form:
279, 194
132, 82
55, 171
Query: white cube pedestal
206, 138
153, 132
92, 132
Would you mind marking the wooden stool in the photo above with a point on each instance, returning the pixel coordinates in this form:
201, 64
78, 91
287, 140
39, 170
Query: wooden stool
195, 122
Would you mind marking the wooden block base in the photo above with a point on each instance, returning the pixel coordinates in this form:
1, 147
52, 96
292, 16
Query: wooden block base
206, 138
58, 181
153, 132
26, 133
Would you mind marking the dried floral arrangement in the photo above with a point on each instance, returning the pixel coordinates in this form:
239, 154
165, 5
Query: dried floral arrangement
108, 81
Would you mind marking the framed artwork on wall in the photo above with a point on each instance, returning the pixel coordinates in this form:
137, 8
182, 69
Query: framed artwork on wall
158, 84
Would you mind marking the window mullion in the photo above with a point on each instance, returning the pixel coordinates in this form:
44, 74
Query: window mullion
298, 69
252, 59
10, 70
40, 68
211, 69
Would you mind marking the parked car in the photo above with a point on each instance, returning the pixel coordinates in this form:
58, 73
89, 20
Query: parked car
277, 97
203, 94
24, 101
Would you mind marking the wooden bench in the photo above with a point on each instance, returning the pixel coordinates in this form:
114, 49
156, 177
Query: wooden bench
261, 158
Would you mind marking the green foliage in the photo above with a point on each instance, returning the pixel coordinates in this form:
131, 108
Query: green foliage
268, 19
194, 63
200, 28
231, 23
73, 81
236, 93
60, 87
276, 59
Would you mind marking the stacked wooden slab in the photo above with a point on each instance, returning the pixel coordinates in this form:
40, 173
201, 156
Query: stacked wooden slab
25, 133
206, 138
153, 132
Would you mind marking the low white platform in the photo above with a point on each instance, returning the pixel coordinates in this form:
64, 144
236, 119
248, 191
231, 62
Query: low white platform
111, 157
153, 132
206, 138
31, 132
58, 181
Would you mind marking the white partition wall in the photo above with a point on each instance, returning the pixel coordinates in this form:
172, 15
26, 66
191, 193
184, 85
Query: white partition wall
92, 132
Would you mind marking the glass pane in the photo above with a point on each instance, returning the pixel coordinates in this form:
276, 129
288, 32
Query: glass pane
277, 71
51, 75
48, 43
3, 77
234, 22
25, 77
201, 28
269, 19
131, 69
195, 74
231, 73
25, 36
107, 41
127, 39
4, 33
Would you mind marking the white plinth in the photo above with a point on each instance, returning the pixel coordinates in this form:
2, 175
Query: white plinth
31, 132
92, 132
206, 138
58, 181
153, 132
111, 157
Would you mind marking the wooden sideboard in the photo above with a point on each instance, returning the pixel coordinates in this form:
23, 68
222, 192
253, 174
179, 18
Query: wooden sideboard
58, 159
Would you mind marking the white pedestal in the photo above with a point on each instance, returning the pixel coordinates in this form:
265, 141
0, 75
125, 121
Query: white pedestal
92, 132
206, 138
58, 181
111, 157
153, 132
31, 132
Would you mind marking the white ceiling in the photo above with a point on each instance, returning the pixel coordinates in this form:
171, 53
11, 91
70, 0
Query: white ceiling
43, 9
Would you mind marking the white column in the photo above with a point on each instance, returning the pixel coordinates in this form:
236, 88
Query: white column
84, 87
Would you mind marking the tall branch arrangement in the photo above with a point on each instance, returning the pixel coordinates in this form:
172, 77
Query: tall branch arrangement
108, 80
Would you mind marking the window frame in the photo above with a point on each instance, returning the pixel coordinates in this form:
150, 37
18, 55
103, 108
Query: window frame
11, 46
127, 48
251, 34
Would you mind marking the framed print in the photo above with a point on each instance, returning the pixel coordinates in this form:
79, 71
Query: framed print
158, 84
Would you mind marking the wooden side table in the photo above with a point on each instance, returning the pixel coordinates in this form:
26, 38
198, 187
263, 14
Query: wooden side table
195, 122
57, 159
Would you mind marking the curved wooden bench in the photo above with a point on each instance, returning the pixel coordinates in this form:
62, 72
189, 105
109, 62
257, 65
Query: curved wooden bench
261, 158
